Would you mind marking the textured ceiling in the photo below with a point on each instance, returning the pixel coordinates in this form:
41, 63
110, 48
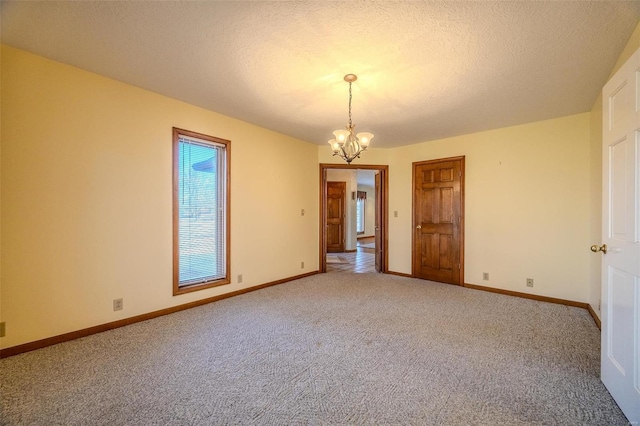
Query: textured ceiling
426, 70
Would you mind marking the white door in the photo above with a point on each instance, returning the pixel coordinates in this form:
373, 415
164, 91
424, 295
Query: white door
620, 356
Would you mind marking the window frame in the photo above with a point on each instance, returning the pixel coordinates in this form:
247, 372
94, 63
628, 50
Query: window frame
177, 288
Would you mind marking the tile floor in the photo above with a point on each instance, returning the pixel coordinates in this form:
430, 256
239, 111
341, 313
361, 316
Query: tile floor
360, 261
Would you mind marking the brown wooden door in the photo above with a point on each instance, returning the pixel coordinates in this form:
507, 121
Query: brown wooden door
437, 202
335, 216
378, 218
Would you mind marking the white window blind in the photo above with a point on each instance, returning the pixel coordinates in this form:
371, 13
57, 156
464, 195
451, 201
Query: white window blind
201, 199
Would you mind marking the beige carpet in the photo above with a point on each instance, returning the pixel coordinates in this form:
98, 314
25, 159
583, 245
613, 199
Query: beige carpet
329, 349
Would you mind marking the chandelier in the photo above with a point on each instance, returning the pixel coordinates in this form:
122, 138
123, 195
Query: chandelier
346, 144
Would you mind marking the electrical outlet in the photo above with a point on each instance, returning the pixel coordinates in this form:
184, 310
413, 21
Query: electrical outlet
529, 282
395, 213
240, 279
301, 265
117, 304
2, 329
485, 276
302, 212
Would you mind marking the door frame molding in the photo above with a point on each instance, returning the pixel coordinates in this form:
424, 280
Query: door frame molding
384, 220
413, 209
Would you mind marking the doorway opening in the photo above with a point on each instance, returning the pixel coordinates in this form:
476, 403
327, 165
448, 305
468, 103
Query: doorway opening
353, 218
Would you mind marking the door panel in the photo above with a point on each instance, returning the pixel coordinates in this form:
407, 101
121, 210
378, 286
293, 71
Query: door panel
437, 248
446, 205
426, 203
335, 216
619, 155
621, 322
446, 252
620, 356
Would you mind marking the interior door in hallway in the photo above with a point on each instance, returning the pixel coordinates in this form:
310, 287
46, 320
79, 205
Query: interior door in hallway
335, 216
437, 253
620, 357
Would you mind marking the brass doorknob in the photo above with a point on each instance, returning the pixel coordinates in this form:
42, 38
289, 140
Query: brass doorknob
602, 248
419, 227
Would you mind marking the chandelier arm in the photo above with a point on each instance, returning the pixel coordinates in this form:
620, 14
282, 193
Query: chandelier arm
345, 155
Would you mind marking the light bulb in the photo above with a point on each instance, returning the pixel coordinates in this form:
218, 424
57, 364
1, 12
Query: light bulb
364, 138
334, 146
341, 136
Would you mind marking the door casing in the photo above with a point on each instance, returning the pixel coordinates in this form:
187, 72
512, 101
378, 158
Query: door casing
384, 222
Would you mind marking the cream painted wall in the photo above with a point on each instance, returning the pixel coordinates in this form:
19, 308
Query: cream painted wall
527, 204
86, 199
350, 178
371, 156
595, 149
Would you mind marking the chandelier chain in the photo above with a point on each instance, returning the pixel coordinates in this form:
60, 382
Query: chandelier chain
350, 125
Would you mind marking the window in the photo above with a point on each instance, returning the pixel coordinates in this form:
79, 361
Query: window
200, 211
361, 201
